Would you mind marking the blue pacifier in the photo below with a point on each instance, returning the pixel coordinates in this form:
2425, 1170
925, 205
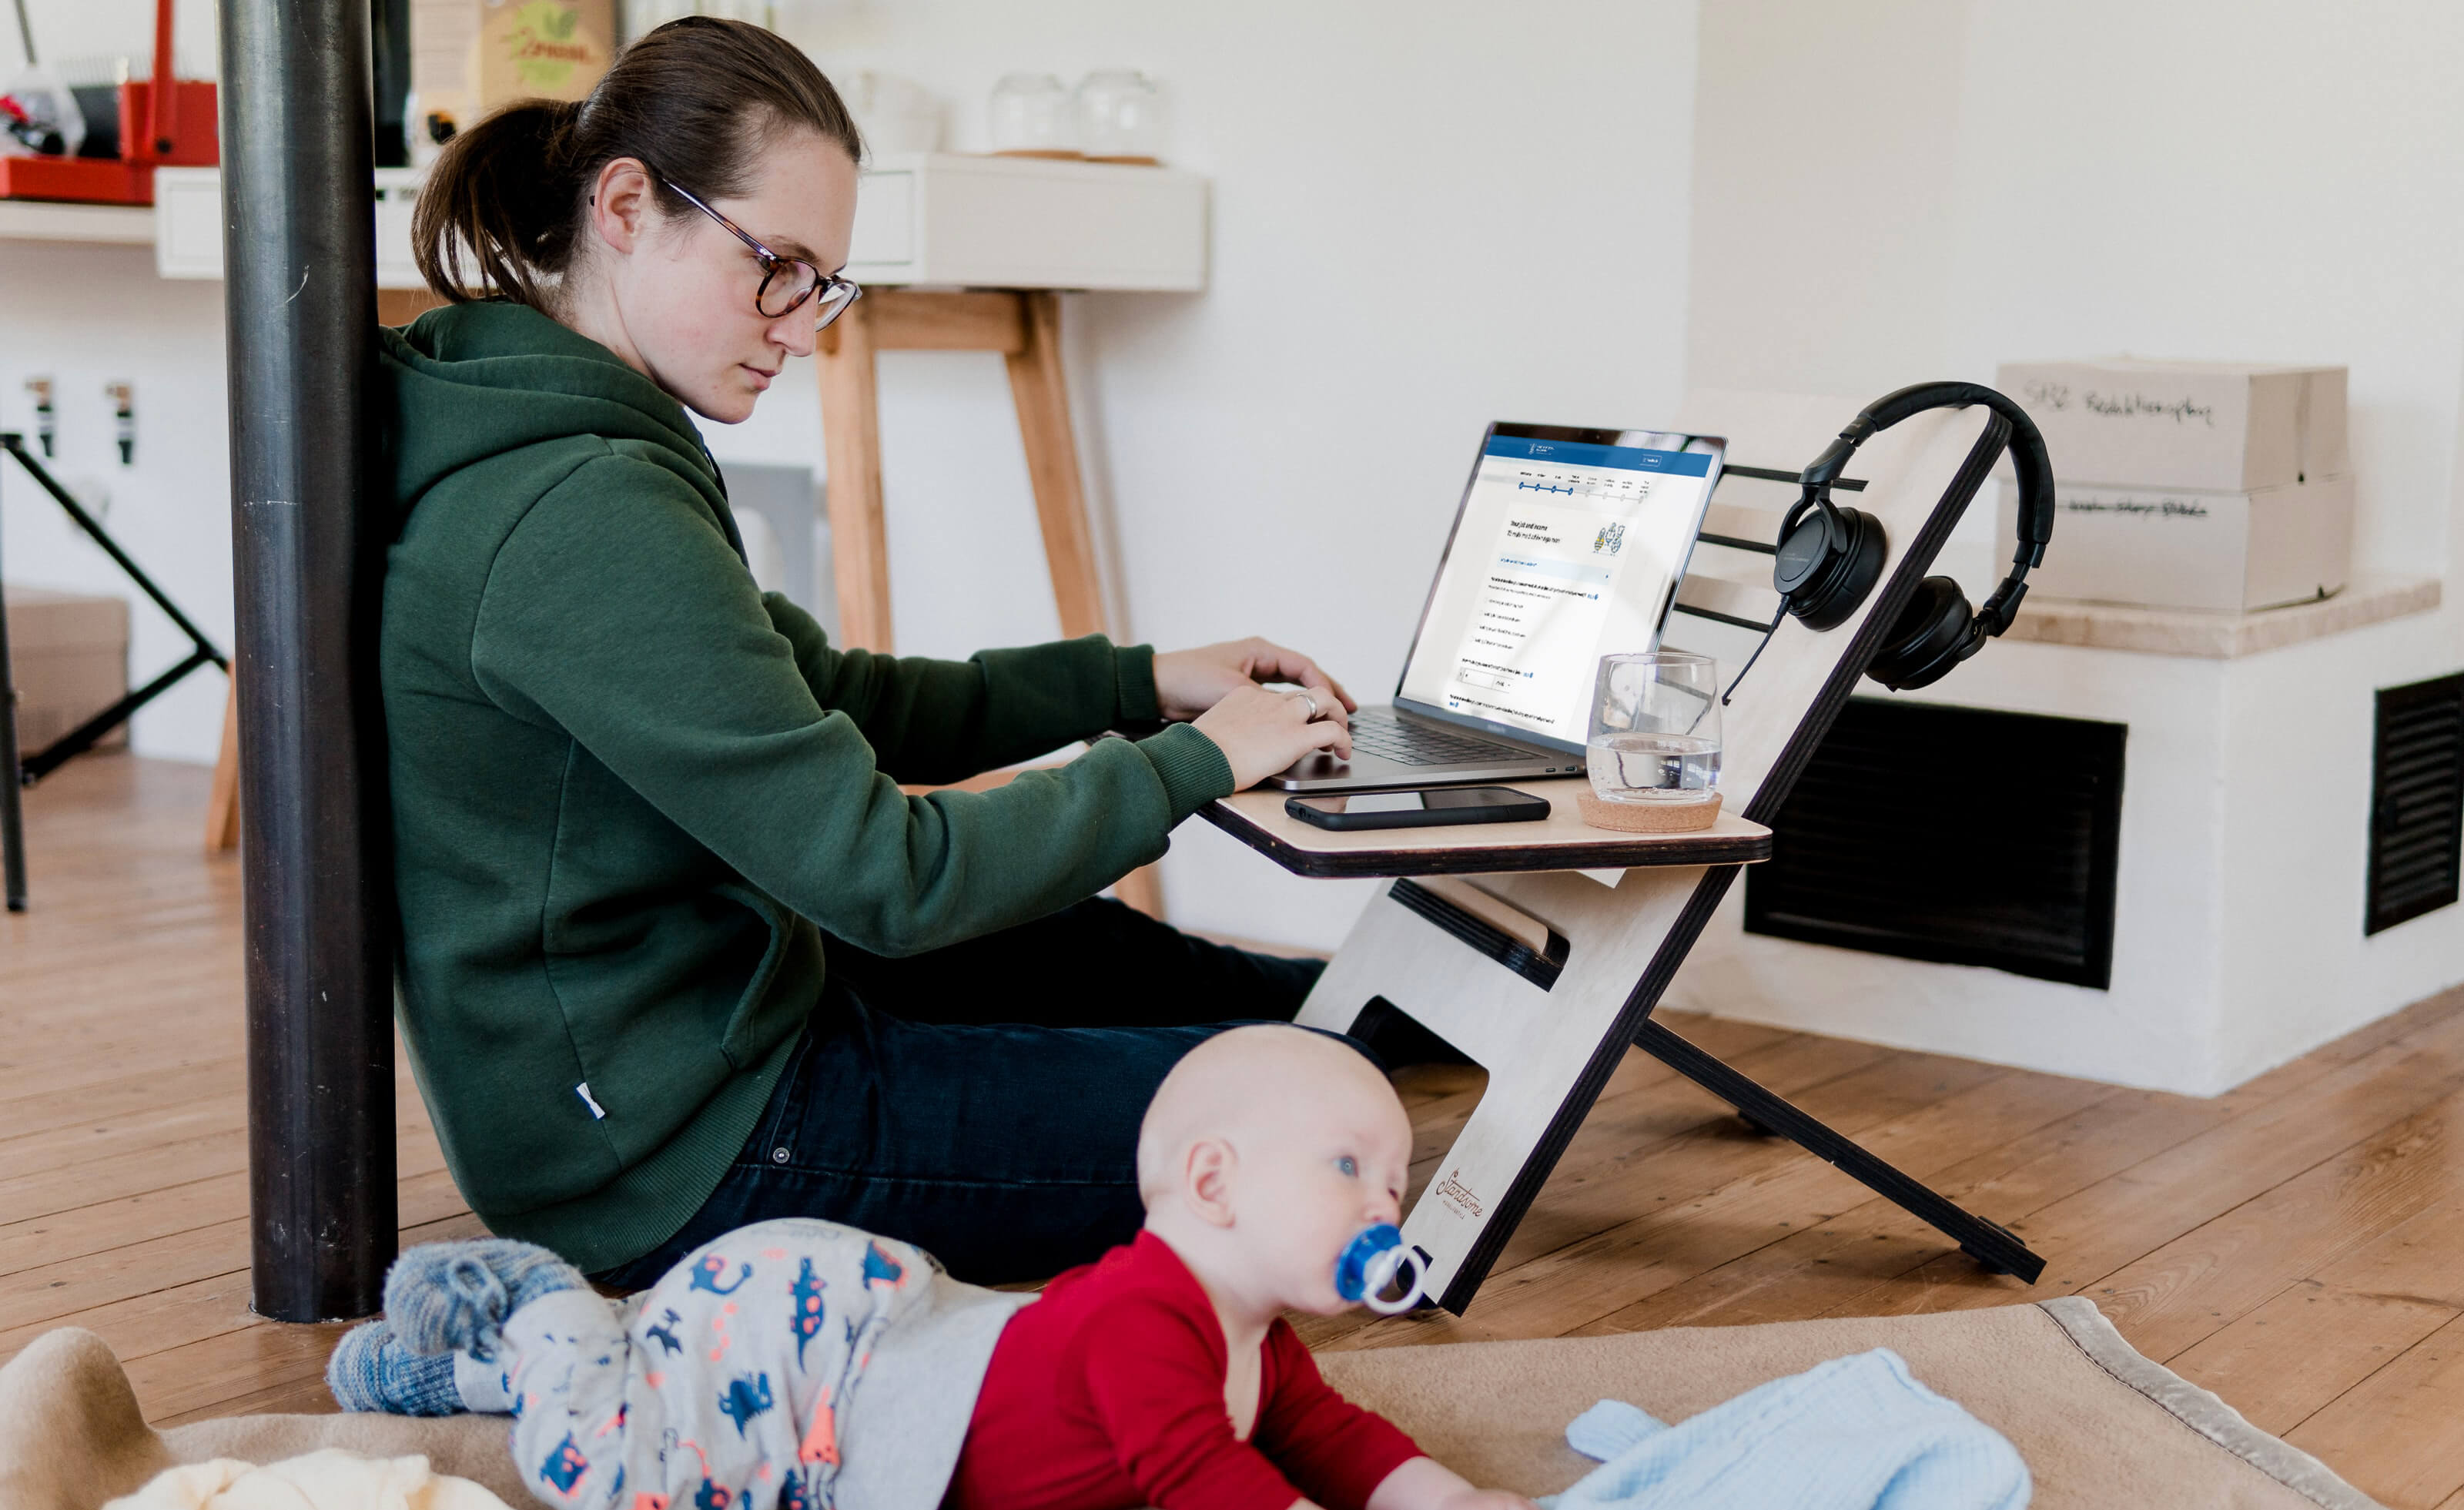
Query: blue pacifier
1374, 1260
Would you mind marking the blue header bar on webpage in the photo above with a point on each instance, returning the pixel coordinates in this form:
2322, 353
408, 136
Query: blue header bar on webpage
1581, 453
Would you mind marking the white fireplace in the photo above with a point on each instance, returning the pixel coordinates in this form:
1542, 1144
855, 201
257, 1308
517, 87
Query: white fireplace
2238, 922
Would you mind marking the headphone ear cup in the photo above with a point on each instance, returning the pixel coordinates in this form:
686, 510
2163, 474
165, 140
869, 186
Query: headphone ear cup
1931, 636
1833, 575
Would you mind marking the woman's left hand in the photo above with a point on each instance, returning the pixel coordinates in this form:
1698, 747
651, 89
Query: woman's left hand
1190, 682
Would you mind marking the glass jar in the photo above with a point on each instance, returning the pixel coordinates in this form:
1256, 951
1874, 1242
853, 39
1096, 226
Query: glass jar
1032, 116
1120, 117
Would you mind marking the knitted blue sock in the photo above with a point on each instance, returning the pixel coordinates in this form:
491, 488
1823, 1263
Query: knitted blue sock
372, 1370
455, 1297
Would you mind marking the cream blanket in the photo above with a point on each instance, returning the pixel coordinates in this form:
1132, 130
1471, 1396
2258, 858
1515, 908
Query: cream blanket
331, 1480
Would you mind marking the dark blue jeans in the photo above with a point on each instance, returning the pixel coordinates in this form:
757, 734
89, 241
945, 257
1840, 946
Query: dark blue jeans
983, 1101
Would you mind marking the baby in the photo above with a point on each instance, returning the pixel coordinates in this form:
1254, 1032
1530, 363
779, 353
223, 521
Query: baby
1165, 1374
800, 1364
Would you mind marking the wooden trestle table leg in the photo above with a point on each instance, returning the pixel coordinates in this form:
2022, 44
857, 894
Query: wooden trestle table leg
1025, 329
222, 807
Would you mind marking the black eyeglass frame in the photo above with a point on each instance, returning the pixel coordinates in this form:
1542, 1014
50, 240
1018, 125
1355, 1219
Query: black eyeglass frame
773, 264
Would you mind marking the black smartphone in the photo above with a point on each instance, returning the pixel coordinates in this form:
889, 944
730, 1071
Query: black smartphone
1422, 809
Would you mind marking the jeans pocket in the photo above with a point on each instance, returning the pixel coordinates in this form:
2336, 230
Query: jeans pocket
782, 1118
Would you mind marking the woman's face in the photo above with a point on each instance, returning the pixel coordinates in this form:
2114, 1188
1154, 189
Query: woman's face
674, 293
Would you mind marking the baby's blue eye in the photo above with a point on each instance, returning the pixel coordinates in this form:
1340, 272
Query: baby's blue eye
1348, 1165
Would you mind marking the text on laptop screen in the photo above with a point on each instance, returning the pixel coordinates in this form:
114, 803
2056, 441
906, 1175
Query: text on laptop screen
1564, 551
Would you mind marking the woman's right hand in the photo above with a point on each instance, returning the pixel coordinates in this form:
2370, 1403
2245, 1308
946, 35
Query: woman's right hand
1261, 732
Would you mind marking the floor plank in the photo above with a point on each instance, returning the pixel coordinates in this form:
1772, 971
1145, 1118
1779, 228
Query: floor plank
2194, 1285
2088, 1235
2398, 1435
2281, 1361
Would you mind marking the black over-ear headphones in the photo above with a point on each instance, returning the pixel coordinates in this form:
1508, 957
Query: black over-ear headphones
1831, 556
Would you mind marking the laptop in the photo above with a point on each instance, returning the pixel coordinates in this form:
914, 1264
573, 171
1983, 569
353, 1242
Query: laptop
1568, 546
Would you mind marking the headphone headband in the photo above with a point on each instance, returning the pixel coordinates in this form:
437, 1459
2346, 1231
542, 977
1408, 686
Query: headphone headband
2028, 458
1824, 572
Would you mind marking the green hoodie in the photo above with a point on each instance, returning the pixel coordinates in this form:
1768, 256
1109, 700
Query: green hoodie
628, 784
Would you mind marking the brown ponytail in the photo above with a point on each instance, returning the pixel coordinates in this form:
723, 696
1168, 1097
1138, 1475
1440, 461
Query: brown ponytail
696, 99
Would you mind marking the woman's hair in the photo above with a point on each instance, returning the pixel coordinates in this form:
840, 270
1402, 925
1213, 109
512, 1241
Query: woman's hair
698, 99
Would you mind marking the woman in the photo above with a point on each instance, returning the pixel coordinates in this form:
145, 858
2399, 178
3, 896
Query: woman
678, 955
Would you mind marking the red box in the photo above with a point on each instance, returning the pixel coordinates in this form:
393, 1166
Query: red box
192, 139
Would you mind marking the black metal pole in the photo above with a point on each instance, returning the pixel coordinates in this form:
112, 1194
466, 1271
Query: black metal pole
299, 270
13, 820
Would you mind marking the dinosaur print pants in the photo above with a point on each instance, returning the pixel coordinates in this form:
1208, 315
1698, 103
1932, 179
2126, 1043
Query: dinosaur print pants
724, 1390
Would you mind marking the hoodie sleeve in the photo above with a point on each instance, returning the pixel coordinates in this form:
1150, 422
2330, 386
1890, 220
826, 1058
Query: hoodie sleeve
929, 720
616, 612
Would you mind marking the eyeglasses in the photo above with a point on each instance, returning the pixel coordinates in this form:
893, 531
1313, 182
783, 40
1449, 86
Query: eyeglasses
786, 282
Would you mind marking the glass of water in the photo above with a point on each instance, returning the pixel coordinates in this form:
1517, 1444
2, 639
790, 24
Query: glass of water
1656, 728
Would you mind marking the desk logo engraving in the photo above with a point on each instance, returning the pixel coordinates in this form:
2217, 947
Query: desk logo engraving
1456, 1196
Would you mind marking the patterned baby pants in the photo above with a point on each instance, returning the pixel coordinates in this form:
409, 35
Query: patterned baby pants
725, 1389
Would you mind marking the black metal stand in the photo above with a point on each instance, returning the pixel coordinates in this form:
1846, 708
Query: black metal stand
308, 543
1986, 1242
78, 740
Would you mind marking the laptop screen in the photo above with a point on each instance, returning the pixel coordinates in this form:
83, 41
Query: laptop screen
1568, 546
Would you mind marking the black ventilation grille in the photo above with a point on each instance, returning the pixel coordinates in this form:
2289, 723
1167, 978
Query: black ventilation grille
2416, 800
1952, 834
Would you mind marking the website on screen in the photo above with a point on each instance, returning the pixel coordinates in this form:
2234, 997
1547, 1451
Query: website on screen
1565, 552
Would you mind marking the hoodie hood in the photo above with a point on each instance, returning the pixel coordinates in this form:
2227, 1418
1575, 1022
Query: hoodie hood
470, 382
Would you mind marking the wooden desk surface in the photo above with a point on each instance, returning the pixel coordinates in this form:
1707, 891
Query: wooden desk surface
1560, 842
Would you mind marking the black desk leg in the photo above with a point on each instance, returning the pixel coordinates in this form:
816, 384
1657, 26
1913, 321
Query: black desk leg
1988, 1245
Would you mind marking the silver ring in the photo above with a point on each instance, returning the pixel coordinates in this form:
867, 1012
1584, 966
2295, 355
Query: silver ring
1311, 701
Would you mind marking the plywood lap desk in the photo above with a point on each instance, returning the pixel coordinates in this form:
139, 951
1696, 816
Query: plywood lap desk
956, 253
1539, 950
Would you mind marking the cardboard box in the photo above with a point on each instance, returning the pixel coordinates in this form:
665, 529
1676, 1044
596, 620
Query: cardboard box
2216, 427
2221, 552
471, 56
67, 658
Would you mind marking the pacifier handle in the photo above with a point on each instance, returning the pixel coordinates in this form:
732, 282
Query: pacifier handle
1383, 1270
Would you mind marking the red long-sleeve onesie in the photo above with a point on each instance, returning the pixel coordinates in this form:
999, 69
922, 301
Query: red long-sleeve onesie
1107, 1392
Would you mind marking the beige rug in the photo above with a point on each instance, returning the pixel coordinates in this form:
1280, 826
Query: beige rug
2099, 1425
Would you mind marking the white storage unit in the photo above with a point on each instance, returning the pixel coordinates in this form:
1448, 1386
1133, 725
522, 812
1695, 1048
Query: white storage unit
922, 219
189, 224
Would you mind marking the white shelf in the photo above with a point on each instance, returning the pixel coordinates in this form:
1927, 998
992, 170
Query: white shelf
944, 220
923, 219
109, 225
2370, 598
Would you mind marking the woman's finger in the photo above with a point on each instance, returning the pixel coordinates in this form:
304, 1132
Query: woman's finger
1318, 705
1332, 736
1278, 664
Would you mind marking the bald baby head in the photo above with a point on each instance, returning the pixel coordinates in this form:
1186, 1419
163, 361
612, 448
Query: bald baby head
1256, 1084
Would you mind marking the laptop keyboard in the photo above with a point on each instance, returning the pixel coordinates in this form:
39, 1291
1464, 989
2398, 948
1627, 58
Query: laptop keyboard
1389, 737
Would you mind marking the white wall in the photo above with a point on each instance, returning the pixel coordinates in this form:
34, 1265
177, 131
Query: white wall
1925, 190
1423, 221
1889, 194
87, 316
78, 35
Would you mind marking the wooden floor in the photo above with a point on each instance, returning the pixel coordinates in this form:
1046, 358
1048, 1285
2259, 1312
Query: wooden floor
2296, 1245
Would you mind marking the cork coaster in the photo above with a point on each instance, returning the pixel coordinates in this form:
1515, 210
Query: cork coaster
1649, 818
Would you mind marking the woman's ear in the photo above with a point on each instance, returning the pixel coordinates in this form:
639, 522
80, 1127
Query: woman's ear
1207, 1181
621, 203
